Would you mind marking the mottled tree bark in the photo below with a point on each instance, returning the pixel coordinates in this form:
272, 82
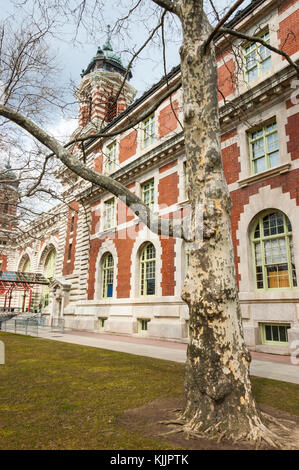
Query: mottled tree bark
219, 399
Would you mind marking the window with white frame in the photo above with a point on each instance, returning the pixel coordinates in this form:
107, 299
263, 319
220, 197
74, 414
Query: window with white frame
111, 157
107, 275
148, 192
109, 214
264, 148
273, 255
148, 131
148, 270
257, 58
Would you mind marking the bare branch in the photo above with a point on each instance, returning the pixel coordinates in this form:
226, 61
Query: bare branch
233, 32
221, 22
161, 226
136, 54
214, 9
169, 5
165, 71
148, 111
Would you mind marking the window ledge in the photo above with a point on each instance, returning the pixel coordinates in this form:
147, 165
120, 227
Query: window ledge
183, 202
278, 170
282, 349
106, 231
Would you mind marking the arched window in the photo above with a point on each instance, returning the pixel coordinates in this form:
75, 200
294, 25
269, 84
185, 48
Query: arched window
273, 252
50, 264
26, 266
148, 270
107, 275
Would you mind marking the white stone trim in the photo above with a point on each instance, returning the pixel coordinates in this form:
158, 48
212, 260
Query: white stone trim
266, 198
289, 11
170, 171
20, 263
279, 113
51, 243
145, 235
230, 141
107, 246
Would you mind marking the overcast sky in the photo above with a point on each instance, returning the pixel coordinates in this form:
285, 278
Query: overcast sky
75, 55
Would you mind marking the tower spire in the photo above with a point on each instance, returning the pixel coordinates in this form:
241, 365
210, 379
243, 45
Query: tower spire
107, 46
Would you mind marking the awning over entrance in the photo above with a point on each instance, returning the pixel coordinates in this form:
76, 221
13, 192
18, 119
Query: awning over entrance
11, 281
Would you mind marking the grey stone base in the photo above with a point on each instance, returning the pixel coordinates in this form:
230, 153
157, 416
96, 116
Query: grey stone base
272, 349
121, 325
251, 336
168, 330
76, 322
293, 336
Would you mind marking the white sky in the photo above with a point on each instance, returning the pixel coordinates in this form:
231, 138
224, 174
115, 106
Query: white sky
75, 56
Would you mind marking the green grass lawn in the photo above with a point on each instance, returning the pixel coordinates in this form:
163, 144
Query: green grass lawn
62, 396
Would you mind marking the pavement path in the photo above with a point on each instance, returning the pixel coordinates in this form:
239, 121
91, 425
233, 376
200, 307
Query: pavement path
263, 365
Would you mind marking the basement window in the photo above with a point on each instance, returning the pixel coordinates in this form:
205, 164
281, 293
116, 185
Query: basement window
143, 325
102, 323
273, 333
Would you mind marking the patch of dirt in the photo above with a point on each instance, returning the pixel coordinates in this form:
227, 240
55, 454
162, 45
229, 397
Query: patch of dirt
146, 420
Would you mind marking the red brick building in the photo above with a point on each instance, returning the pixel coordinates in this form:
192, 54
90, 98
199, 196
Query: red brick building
112, 274
8, 212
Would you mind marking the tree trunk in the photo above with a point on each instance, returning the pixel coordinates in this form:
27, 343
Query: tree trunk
219, 399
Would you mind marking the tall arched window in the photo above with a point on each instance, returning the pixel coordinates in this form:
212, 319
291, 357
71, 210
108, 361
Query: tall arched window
26, 266
107, 275
148, 270
273, 252
50, 264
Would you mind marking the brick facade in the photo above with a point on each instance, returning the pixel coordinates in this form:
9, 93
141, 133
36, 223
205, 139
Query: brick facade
71, 238
163, 163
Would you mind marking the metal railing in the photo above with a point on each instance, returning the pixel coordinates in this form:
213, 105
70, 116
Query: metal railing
24, 323
13, 310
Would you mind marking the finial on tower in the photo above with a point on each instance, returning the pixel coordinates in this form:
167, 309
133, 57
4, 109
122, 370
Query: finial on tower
107, 46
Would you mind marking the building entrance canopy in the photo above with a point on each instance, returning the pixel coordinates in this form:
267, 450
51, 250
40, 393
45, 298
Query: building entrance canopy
11, 281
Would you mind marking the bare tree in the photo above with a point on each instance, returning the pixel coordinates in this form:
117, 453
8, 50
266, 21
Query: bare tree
219, 400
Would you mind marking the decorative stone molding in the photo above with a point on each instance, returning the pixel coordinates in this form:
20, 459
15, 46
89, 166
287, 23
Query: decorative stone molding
266, 198
145, 235
278, 170
107, 246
